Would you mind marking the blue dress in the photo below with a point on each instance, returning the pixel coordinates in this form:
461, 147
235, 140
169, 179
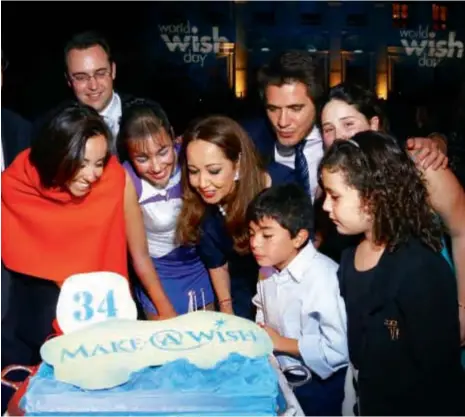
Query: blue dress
183, 275
216, 249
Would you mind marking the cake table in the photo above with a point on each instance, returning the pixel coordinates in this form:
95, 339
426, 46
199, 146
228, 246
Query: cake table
292, 406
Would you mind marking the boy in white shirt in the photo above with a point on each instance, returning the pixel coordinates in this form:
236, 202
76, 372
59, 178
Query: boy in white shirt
299, 305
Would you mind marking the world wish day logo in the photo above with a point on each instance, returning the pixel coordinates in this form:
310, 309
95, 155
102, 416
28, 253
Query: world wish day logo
186, 39
430, 51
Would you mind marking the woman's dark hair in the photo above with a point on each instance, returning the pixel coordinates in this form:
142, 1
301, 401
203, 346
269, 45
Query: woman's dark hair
390, 187
365, 101
234, 142
59, 149
141, 117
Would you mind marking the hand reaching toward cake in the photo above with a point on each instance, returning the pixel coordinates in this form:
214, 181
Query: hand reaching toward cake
281, 343
168, 312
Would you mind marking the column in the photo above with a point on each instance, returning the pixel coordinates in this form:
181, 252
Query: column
240, 55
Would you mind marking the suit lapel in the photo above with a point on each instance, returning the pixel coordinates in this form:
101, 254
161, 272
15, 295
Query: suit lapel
270, 139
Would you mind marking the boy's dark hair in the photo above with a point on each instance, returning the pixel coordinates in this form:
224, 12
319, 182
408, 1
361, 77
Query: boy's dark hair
85, 40
288, 204
58, 152
289, 67
390, 186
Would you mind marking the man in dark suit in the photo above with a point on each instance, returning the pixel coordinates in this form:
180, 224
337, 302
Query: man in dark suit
90, 72
289, 135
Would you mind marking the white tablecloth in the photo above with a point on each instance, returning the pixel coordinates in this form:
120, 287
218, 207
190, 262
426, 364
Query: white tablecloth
293, 406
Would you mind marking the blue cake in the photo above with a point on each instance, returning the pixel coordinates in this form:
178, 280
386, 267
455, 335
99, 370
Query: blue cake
198, 364
237, 385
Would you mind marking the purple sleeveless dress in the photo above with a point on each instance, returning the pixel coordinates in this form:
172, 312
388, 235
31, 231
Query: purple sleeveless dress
183, 276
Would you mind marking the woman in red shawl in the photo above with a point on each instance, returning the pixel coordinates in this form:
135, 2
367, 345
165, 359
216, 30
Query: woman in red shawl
67, 208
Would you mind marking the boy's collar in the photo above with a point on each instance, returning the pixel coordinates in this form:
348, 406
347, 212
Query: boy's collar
298, 266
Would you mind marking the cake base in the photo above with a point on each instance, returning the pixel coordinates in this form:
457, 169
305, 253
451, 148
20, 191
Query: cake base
236, 386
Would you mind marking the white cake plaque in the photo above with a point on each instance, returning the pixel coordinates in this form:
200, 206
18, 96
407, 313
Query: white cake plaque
90, 298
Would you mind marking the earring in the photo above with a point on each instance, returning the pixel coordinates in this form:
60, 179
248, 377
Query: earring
236, 176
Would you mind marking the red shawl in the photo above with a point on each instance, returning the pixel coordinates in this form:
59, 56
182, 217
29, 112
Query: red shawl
48, 233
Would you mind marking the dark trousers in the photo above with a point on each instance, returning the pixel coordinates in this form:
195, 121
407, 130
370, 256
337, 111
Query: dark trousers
322, 397
26, 325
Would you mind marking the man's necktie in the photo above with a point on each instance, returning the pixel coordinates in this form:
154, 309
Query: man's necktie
114, 131
301, 166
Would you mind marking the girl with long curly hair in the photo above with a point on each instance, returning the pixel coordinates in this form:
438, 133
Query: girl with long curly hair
400, 294
221, 174
351, 109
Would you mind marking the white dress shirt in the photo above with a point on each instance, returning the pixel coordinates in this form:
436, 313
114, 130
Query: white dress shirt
313, 152
112, 115
303, 302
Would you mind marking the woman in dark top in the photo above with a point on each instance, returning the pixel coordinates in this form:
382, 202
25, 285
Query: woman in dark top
400, 295
221, 174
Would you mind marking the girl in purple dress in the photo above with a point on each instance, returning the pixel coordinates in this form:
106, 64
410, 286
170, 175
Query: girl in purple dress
150, 157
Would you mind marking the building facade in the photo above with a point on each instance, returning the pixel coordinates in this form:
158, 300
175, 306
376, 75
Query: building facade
405, 47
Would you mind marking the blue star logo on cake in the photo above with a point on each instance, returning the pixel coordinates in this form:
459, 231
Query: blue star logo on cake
220, 323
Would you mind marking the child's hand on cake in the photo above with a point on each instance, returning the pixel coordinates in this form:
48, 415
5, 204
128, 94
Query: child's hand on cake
274, 335
281, 343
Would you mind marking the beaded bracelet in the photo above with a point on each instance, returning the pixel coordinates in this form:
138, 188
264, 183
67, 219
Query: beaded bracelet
225, 301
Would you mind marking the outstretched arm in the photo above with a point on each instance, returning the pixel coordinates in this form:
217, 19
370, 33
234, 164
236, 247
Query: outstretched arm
137, 244
222, 285
447, 198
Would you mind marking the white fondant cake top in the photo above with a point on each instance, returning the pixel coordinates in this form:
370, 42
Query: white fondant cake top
105, 354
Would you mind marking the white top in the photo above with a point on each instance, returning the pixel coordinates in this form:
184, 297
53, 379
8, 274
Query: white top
313, 152
160, 217
303, 302
112, 115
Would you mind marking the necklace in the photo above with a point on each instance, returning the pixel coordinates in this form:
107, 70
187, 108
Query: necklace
222, 210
